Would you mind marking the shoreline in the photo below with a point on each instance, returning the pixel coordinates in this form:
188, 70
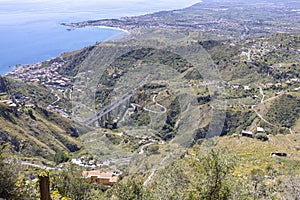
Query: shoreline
110, 27
17, 66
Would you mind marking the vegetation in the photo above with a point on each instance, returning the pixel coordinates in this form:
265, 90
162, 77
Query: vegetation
35, 131
60, 157
285, 111
8, 179
130, 190
260, 78
70, 184
262, 136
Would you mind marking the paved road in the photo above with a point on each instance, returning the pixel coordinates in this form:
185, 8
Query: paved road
164, 109
37, 166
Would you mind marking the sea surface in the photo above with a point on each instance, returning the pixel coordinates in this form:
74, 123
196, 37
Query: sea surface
30, 30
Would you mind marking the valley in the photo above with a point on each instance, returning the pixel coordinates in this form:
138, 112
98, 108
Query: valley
187, 91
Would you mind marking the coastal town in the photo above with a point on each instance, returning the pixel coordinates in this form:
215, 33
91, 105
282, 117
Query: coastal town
47, 76
206, 20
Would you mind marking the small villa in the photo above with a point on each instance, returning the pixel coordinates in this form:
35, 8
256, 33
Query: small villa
101, 177
247, 134
260, 130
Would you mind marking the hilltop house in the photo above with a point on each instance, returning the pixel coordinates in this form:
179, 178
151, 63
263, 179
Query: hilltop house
247, 133
101, 177
260, 130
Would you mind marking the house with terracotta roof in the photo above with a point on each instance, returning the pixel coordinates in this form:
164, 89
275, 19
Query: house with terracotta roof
104, 178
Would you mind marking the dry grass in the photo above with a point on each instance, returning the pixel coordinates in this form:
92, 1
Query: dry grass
254, 154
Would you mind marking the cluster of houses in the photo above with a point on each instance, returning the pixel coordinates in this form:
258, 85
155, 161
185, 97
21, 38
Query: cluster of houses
17, 102
87, 163
47, 76
291, 81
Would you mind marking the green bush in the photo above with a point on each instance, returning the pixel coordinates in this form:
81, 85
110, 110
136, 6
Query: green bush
60, 157
130, 190
261, 136
8, 179
153, 149
30, 113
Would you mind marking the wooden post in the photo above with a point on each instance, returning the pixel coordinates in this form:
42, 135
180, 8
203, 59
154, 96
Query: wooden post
44, 187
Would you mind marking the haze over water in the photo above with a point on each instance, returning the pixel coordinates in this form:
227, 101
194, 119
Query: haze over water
30, 30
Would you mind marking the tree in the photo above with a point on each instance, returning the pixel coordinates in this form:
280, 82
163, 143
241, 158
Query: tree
153, 149
198, 175
261, 136
70, 184
8, 179
130, 190
60, 157
212, 172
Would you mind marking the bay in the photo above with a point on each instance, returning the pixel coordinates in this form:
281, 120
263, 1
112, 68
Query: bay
30, 30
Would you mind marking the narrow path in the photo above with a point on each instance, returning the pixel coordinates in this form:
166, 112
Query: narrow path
64, 94
262, 94
261, 117
143, 148
54, 102
150, 177
264, 101
153, 171
134, 105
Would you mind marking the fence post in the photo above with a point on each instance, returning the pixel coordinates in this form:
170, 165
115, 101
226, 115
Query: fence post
44, 187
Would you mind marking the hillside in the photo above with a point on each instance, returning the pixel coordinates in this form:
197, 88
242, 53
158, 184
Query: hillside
154, 104
28, 128
257, 75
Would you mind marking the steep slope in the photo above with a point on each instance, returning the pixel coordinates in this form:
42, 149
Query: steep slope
28, 128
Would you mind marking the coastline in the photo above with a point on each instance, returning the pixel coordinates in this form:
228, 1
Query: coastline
123, 33
113, 28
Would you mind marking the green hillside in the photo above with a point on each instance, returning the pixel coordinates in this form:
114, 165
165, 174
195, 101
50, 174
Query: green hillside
28, 128
197, 103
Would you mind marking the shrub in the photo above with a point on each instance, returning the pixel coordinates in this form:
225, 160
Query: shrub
60, 157
262, 136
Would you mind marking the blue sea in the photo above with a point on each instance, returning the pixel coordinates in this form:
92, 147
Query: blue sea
30, 30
